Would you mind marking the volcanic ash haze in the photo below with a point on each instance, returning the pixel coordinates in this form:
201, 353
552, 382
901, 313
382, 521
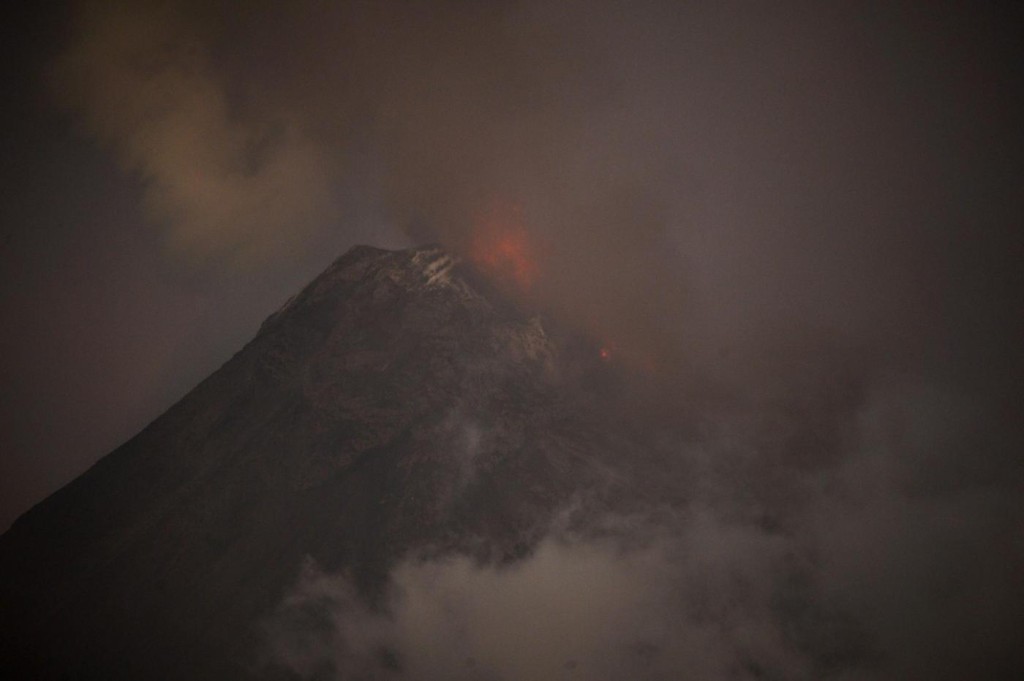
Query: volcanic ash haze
726, 385
406, 476
712, 186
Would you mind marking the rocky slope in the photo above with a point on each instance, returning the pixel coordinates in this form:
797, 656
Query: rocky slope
398, 404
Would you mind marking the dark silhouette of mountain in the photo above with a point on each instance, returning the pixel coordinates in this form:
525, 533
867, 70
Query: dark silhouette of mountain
398, 404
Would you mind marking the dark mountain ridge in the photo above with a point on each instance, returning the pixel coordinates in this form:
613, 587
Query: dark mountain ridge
398, 404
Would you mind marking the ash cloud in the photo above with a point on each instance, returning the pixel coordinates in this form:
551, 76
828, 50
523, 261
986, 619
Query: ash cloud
225, 184
801, 221
694, 181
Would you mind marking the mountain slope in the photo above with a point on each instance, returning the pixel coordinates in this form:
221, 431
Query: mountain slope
398, 404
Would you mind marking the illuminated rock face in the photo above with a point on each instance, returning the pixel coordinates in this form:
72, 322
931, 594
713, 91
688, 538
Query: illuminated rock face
396, 405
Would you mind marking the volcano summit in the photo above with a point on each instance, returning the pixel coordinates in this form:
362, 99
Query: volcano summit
407, 474
398, 406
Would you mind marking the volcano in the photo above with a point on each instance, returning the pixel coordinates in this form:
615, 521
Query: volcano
399, 404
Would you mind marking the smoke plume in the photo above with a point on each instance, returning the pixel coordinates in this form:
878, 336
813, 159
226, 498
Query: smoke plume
224, 183
799, 221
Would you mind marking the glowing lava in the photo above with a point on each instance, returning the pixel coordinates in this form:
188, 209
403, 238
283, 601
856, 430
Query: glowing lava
501, 246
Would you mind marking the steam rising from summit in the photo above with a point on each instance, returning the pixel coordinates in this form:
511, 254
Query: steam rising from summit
798, 223
693, 179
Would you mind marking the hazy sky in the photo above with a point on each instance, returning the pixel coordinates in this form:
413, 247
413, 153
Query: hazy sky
773, 199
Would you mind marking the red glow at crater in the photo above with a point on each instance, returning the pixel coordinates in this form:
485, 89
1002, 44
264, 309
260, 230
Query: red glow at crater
501, 246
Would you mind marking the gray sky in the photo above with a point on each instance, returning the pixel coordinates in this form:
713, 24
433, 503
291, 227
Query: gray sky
809, 209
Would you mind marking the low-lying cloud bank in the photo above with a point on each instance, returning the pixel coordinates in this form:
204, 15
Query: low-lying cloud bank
862, 568
572, 610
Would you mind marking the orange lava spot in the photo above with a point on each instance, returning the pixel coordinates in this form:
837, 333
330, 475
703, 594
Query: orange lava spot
501, 246
605, 354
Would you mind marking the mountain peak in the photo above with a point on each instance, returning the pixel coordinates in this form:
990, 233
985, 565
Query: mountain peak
397, 404
378, 270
